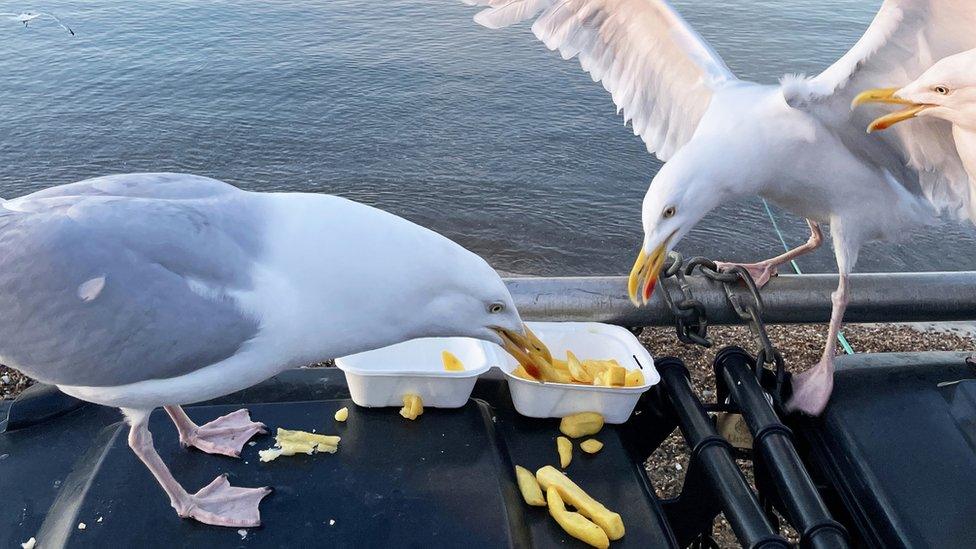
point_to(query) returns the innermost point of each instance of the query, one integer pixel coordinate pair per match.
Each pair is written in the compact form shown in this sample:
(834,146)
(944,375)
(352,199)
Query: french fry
(529,486)
(413,406)
(576,369)
(560,365)
(591,446)
(594,367)
(303,437)
(581,424)
(451,362)
(635,378)
(610,522)
(519,371)
(564,447)
(575,524)
(342,414)
(616,375)
(289,443)
(602,379)
(560,376)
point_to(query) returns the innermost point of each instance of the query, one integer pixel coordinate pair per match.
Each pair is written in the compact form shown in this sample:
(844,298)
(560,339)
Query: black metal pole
(714,455)
(773,445)
(788,299)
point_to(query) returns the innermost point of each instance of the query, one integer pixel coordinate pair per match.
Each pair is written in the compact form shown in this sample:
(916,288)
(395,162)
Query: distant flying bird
(27,17)
(146,290)
(797,143)
(945,92)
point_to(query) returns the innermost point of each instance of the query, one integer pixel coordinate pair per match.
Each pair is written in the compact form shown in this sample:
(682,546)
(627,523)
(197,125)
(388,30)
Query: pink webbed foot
(811,389)
(225,435)
(761,272)
(221,504)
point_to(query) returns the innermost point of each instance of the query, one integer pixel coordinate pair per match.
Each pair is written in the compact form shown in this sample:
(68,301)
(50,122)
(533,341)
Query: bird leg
(225,435)
(764,270)
(218,503)
(811,389)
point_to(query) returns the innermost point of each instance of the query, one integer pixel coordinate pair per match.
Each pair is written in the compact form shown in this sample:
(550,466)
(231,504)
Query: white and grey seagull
(945,92)
(27,17)
(796,143)
(146,290)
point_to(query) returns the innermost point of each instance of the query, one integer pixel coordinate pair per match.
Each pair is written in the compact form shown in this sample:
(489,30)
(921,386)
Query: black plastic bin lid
(445,480)
(900,450)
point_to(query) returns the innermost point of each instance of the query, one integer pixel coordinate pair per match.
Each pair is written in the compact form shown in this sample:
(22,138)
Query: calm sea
(407,105)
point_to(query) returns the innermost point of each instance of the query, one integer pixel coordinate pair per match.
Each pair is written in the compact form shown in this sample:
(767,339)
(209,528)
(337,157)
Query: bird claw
(225,435)
(760,272)
(220,504)
(812,389)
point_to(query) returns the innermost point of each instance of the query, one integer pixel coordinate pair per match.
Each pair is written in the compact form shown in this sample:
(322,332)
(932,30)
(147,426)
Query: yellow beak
(887,95)
(528,350)
(644,275)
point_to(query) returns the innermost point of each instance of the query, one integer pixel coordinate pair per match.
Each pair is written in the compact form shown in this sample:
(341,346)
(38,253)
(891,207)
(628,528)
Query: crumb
(242,532)
(331,522)
(82,526)
(29,544)
(99,519)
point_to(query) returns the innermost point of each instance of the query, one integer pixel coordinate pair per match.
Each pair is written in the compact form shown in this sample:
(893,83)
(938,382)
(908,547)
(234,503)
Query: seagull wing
(58,21)
(905,39)
(659,71)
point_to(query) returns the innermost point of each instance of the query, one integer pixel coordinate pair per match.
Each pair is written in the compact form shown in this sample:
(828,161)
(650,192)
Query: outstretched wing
(58,21)
(659,71)
(28,17)
(905,39)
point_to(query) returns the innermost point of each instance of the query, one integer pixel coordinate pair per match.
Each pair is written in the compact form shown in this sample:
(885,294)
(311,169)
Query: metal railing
(788,299)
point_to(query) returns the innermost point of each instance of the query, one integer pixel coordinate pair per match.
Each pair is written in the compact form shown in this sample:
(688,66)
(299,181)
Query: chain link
(691,319)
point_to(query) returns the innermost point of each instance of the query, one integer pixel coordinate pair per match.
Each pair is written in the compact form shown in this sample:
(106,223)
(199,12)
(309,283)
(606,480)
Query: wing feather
(905,39)
(660,73)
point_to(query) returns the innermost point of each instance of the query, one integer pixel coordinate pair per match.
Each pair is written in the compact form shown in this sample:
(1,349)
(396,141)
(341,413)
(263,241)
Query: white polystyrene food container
(381,377)
(587,340)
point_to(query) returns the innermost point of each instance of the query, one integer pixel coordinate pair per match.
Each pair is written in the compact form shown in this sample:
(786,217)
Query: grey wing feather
(170,251)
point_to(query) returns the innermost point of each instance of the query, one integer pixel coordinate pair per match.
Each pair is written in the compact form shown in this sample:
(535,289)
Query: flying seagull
(944,98)
(146,290)
(796,143)
(27,17)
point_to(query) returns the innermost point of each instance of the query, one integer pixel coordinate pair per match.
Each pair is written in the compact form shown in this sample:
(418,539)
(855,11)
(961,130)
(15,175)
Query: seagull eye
(669,212)
(941,90)
(496,308)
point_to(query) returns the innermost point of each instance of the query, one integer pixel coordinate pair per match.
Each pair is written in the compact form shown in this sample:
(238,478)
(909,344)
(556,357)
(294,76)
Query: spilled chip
(289,443)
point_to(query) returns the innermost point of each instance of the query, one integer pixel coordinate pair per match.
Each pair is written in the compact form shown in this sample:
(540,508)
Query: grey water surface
(407,105)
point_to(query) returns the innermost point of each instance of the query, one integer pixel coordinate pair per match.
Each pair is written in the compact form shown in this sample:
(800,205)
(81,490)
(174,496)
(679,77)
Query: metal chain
(691,318)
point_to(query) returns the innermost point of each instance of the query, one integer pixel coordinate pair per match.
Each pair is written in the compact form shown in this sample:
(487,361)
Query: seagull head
(680,195)
(947,90)
(445,290)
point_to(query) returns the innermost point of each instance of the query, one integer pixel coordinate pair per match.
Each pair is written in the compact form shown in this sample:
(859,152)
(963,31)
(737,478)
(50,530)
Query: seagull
(944,98)
(144,290)
(27,17)
(796,143)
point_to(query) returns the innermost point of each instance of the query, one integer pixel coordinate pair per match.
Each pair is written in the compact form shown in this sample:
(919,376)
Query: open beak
(527,349)
(644,275)
(887,95)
